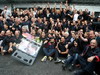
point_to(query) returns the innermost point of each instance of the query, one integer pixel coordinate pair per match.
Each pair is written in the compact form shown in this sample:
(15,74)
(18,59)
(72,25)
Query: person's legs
(90,67)
(73,62)
(82,61)
(75,58)
(97,68)
(4,49)
(45,50)
(57,54)
(51,52)
(81,72)
(67,62)
(48,53)
(87,68)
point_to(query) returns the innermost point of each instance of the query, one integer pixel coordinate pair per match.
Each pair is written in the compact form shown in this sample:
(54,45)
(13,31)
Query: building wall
(90,7)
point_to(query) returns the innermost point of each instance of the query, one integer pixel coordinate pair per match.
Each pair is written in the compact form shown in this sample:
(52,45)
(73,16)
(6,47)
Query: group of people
(66,33)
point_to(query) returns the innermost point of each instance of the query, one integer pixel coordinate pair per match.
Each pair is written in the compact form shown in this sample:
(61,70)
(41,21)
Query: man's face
(1,18)
(8,33)
(93,43)
(52,40)
(73,35)
(62,39)
(5,7)
(81,31)
(75,44)
(17,33)
(91,34)
(24,29)
(2,32)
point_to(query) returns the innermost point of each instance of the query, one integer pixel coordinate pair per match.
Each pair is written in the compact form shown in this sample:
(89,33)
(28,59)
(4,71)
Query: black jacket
(88,52)
(7,40)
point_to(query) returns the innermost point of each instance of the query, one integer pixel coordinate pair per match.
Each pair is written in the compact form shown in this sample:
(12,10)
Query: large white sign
(28,47)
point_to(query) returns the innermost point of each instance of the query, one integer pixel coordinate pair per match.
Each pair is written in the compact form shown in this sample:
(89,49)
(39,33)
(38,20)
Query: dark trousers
(87,66)
(6,47)
(57,55)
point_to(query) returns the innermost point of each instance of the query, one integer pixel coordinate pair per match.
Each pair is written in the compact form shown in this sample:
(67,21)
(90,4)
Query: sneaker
(44,58)
(63,61)
(58,60)
(50,58)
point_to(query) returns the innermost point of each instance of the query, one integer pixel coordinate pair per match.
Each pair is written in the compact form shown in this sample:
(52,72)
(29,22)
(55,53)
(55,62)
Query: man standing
(6,13)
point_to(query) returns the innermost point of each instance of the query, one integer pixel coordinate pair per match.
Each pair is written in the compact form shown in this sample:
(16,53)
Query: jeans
(71,59)
(49,52)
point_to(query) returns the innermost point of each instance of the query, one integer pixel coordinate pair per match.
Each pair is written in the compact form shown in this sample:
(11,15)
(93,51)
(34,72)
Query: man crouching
(6,45)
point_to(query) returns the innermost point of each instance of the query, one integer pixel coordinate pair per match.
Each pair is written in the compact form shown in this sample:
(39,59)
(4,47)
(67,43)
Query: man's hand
(81,54)
(10,49)
(45,42)
(66,46)
(59,51)
(90,59)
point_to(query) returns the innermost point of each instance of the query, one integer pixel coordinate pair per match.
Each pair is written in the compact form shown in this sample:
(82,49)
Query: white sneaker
(58,60)
(50,58)
(44,58)
(63,61)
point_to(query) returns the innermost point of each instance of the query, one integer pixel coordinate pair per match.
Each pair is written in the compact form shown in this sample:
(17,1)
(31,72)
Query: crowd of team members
(65,32)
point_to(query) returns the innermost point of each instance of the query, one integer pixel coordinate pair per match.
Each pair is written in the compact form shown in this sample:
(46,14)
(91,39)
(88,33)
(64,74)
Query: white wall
(90,7)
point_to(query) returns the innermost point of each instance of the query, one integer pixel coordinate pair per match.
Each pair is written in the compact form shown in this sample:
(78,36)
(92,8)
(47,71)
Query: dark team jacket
(50,45)
(17,39)
(74,50)
(97,57)
(7,40)
(88,52)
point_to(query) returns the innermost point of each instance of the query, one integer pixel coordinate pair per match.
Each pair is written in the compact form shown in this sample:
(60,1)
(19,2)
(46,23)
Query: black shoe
(71,68)
(64,67)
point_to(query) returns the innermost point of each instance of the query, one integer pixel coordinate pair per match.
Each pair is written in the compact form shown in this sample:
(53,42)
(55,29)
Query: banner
(28,47)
